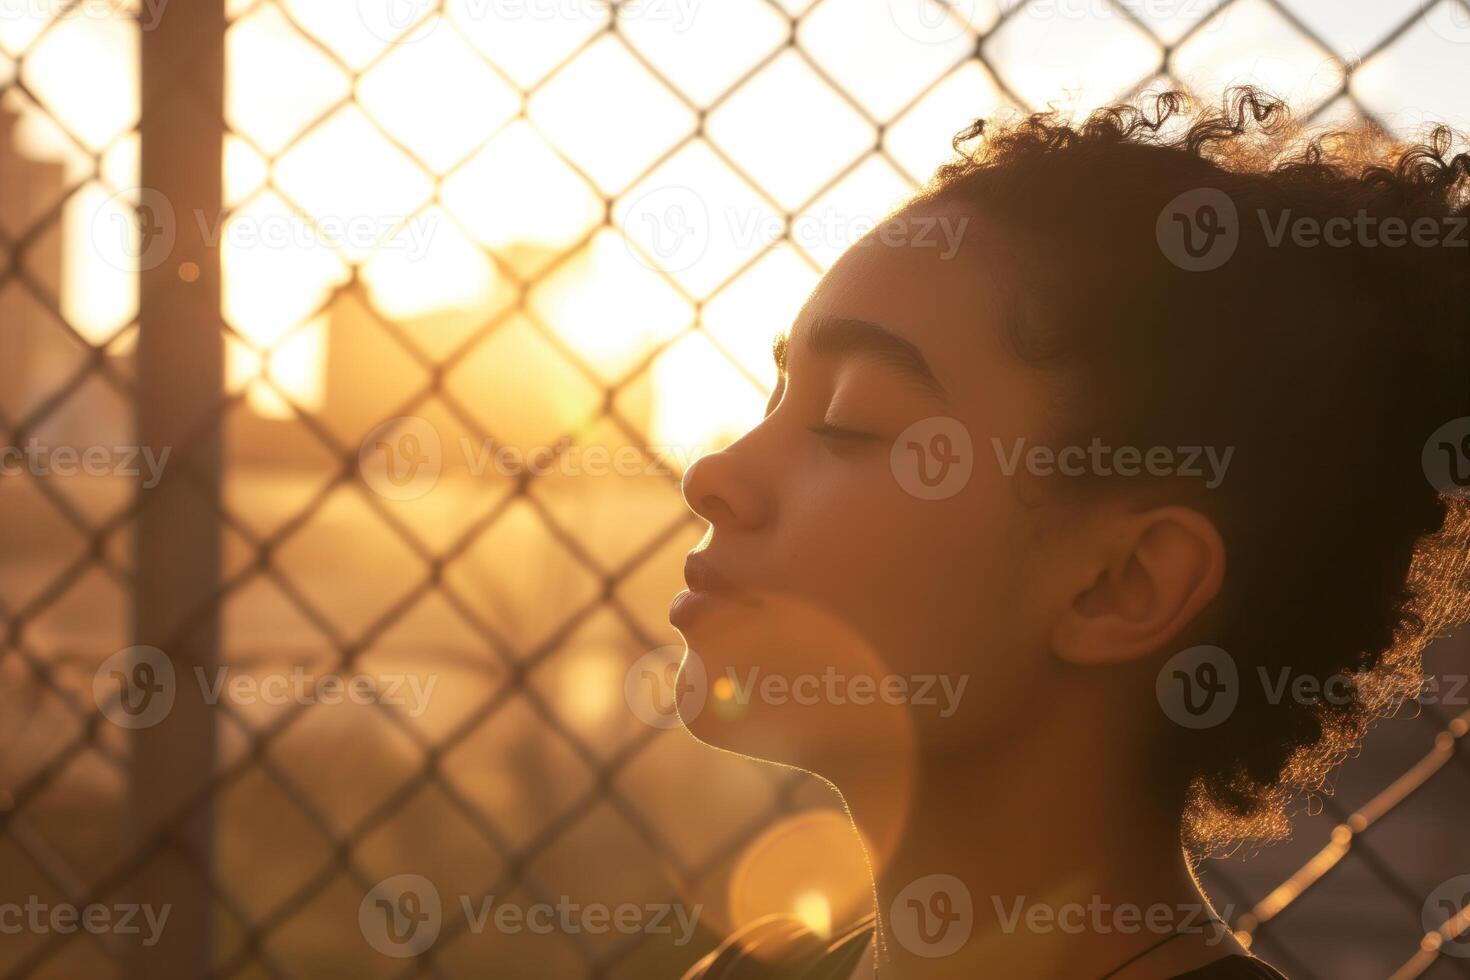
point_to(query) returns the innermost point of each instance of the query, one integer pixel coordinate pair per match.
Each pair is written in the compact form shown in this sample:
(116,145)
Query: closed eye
(836,432)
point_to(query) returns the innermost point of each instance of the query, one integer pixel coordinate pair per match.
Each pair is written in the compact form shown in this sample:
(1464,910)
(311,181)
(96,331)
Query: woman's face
(864,566)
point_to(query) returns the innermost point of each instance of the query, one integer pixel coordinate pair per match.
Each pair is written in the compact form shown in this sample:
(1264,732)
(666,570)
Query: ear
(1156,572)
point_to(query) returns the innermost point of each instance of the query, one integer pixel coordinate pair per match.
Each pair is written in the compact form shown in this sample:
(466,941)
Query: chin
(742,668)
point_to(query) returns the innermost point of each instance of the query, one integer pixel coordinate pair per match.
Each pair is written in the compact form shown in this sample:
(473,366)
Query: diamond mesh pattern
(529,153)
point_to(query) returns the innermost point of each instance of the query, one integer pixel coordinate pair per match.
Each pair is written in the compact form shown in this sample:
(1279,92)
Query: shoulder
(1234,968)
(781,948)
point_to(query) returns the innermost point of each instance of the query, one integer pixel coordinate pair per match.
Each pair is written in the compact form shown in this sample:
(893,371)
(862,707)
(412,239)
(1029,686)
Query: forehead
(923,275)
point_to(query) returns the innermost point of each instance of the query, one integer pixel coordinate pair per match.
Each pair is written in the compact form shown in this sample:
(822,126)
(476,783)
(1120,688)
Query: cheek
(901,569)
(940,589)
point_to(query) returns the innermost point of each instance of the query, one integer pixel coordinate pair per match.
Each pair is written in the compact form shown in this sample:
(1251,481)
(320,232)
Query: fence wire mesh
(492,229)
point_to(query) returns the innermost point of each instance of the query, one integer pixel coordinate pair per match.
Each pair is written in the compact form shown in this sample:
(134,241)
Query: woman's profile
(1085,547)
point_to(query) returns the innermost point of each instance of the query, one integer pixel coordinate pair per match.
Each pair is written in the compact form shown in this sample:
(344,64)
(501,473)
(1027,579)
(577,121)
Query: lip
(701,576)
(707,588)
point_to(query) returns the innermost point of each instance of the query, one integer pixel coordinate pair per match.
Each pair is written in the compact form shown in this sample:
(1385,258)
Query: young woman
(1096,539)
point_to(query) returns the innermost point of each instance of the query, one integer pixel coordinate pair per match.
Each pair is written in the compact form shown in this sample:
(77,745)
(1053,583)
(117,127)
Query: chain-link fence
(352,353)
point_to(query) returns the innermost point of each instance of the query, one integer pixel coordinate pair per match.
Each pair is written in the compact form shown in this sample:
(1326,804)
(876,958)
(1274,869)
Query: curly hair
(1326,365)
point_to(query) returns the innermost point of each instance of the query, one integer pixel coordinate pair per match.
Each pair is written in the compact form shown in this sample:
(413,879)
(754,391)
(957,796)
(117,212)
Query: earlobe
(1156,572)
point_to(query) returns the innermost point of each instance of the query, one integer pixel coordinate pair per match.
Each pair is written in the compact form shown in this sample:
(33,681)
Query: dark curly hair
(1325,367)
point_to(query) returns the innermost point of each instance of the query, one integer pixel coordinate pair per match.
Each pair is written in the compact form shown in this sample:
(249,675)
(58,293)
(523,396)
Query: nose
(721,488)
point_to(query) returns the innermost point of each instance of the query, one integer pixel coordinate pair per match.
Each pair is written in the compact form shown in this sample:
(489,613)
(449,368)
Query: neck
(1052,845)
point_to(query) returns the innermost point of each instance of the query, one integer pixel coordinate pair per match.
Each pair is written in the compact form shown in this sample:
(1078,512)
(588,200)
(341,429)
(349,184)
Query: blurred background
(333,255)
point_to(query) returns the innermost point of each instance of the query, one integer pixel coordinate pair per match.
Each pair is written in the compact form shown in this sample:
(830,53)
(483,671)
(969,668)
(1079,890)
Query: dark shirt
(779,948)
(1234,968)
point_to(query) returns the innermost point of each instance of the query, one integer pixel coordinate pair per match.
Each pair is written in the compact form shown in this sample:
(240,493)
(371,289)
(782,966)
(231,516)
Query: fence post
(179,385)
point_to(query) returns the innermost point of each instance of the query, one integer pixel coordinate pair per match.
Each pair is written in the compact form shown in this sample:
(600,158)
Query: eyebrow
(844,337)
